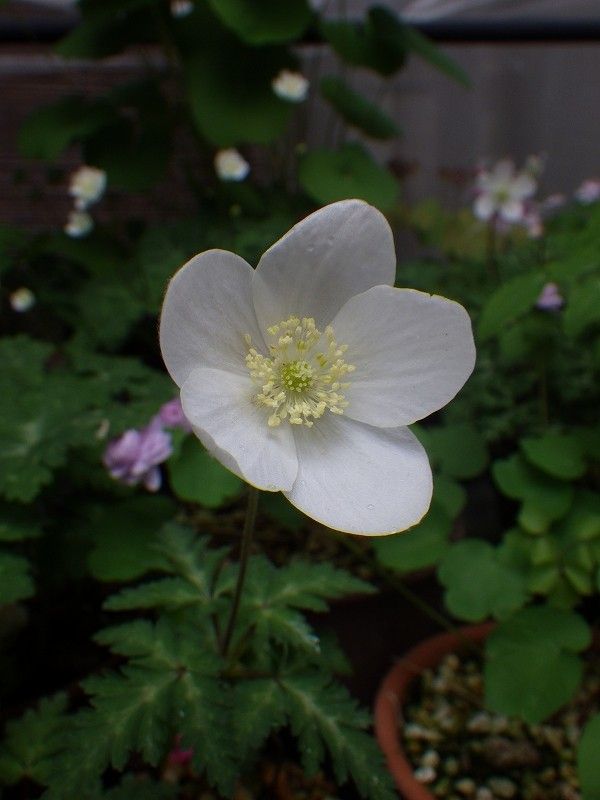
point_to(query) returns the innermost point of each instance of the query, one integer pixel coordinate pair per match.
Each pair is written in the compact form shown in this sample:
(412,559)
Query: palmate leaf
(15,580)
(32,742)
(325,718)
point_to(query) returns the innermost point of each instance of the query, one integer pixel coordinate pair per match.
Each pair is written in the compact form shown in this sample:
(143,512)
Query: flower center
(302,377)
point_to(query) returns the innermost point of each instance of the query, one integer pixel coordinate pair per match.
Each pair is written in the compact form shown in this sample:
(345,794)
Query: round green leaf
(556,454)
(328,175)
(357,110)
(511,300)
(419,547)
(478,583)
(198,478)
(458,450)
(587,759)
(265,22)
(532,667)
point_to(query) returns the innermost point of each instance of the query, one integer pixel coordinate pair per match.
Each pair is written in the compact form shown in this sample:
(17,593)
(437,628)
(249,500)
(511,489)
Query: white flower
(230,165)
(302,375)
(502,193)
(589,191)
(87,186)
(291,86)
(79,224)
(22,299)
(181,8)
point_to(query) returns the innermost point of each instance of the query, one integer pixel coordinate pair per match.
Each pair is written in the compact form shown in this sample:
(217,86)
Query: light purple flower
(171,415)
(550,298)
(134,456)
(589,191)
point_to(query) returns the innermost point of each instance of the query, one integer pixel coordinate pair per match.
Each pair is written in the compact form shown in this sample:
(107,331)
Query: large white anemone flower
(302,375)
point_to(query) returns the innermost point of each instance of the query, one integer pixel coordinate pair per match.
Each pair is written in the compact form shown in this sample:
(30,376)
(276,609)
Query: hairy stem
(247,533)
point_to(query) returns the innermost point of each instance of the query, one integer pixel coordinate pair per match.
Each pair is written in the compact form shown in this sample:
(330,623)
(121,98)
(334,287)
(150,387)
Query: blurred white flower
(302,375)
(181,8)
(230,165)
(22,299)
(502,193)
(87,185)
(291,86)
(589,191)
(79,224)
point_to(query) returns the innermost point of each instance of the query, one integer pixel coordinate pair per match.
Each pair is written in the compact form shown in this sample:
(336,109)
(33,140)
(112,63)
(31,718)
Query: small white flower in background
(230,165)
(22,299)
(79,224)
(589,191)
(87,186)
(291,86)
(502,193)
(302,375)
(181,8)
(550,298)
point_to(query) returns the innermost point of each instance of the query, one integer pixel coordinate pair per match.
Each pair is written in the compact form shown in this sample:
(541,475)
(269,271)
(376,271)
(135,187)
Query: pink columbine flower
(133,457)
(550,298)
(171,415)
(589,191)
(502,193)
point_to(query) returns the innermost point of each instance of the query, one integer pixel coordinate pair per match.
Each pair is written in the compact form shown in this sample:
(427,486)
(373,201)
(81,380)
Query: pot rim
(392,693)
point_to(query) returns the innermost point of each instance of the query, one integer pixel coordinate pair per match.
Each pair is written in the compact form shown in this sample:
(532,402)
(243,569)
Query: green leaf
(266,22)
(323,715)
(421,546)
(583,308)
(258,709)
(357,110)
(48,131)
(18,523)
(328,175)
(32,742)
(229,85)
(15,580)
(544,499)
(426,49)
(141,787)
(125,537)
(479,583)
(458,450)
(512,300)
(379,43)
(556,454)
(282,511)
(587,759)
(532,667)
(199,478)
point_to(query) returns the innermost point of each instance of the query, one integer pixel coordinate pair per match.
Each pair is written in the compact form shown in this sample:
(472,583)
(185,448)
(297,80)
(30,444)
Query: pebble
(483,793)
(451,766)
(425,774)
(430,759)
(480,723)
(466,786)
(502,787)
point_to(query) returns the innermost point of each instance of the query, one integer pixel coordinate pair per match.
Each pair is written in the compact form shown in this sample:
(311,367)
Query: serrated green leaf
(31,742)
(258,708)
(141,787)
(478,583)
(15,579)
(357,110)
(323,715)
(330,175)
(266,22)
(513,299)
(587,759)
(532,666)
(559,455)
(198,477)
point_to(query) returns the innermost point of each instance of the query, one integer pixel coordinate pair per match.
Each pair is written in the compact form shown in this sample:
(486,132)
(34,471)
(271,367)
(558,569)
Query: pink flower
(133,457)
(550,298)
(171,415)
(179,756)
(589,191)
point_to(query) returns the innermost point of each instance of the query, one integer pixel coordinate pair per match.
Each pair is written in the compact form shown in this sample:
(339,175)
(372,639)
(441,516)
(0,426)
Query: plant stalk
(247,533)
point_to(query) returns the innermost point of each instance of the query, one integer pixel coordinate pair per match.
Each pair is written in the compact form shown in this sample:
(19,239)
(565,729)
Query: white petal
(219,404)
(335,253)
(512,211)
(206,312)
(523,186)
(412,352)
(484,207)
(359,479)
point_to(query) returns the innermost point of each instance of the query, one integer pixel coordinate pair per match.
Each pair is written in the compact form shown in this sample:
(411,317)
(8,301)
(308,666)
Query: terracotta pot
(393,692)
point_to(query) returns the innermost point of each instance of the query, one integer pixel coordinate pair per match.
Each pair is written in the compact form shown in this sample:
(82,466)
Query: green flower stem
(247,533)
